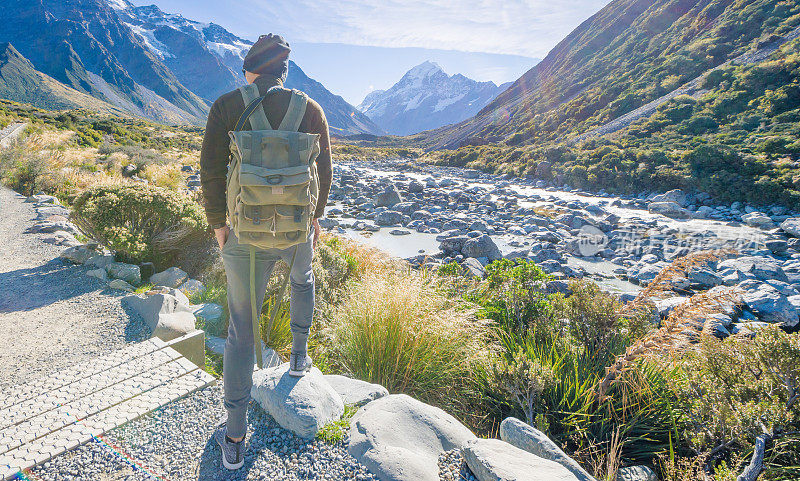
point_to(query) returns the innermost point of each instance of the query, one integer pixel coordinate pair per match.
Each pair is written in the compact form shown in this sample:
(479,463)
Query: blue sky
(506,35)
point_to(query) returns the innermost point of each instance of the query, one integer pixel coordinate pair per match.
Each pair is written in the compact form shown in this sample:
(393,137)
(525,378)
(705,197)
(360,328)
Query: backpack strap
(255,110)
(294,112)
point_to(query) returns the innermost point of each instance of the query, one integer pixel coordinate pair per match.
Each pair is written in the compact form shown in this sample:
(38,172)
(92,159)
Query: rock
(212,315)
(763,268)
(415,187)
(399,232)
(758,219)
(62,238)
(400,439)
(121,285)
(327,223)
(482,246)
(388,198)
(355,392)
(389,217)
(48,227)
(717,325)
(100,261)
(78,254)
(166,314)
(453,244)
(636,473)
(646,274)
(530,439)
(791,226)
(473,267)
(98,273)
(704,278)
(42,199)
(669,209)
(676,195)
(127,272)
(303,405)
(542,255)
(192,286)
(496,460)
(777,246)
(771,306)
(172,277)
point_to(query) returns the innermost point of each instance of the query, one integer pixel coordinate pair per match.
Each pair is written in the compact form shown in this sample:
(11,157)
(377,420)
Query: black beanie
(268,56)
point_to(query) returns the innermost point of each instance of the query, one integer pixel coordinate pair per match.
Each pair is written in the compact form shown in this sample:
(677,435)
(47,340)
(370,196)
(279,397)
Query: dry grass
(397,330)
(685,322)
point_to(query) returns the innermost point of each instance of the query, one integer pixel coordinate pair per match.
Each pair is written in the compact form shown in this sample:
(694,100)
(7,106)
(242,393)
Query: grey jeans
(237,370)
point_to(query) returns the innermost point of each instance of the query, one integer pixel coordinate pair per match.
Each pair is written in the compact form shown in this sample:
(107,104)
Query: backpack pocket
(272,219)
(288,186)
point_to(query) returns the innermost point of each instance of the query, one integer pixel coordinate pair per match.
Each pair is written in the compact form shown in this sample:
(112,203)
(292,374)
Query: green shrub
(140,222)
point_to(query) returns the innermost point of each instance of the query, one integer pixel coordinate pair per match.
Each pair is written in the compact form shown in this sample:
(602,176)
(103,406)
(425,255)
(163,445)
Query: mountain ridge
(425,98)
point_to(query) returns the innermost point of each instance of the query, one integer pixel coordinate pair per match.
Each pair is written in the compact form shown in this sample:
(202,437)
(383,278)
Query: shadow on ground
(40,286)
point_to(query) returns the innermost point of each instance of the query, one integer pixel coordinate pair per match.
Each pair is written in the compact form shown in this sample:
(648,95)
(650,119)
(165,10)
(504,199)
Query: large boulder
(530,439)
(127,272)
(303,405)
(453,244)
(400,439)
(355,392)
(481,246)
(78,254)
(172,277)
(389,217)
(763,268)
(388,198)
(771,306)
(167,313)
(496,460)
(791,226)
(758,219)
(676,195)
(669,209)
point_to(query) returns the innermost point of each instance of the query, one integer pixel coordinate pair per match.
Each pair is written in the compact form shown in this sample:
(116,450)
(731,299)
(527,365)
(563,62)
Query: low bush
(140,222)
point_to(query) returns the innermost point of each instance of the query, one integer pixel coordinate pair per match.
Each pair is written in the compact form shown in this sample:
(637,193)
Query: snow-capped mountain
(207,59)
(427,98)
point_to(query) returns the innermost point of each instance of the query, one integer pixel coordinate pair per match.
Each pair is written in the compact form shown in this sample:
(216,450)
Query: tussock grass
(396,330)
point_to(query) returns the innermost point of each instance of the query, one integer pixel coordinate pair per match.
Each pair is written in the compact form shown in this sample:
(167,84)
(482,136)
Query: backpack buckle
(256,216)
(274,179)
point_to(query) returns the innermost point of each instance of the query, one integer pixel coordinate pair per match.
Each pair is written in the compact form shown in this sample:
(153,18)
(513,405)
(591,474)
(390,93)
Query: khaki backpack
(272,186)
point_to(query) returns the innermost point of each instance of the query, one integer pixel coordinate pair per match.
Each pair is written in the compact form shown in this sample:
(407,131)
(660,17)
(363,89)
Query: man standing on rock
(293,161)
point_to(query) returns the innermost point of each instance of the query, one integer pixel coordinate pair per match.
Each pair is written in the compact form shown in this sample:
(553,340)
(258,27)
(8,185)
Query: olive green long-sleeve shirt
(216,144)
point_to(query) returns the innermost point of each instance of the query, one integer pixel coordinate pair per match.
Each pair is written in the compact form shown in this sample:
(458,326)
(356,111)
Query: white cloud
(522,27)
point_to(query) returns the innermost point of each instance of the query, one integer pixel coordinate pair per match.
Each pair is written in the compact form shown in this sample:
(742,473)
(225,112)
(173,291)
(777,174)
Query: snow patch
(150,41)
(441,104)
(118,4)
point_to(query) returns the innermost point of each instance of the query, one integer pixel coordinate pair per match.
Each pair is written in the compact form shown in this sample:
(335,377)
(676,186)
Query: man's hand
(222,235)
(317,230)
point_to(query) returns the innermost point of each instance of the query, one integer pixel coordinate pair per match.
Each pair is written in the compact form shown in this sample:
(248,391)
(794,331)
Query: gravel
(452,467)
(50,312)
(175,443)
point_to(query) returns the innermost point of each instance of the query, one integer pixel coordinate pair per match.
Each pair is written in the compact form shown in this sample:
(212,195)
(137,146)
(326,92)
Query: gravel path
(175,443)
(51,315)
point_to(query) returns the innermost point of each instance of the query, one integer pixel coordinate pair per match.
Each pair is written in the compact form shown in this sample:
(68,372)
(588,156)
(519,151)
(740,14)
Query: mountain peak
(425,69)
(120,4)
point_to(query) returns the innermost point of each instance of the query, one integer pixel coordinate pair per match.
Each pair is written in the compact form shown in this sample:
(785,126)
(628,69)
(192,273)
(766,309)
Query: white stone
(167,315)
(758,219)
(669,209)
(98,273)
(192,286)
(496,460)
(636,473)
(121,285)
(530,439)
(172,277)
(127,272)
(355,392)
(78,254)
(399,438)
(99,261)
(791,226)
(302,405)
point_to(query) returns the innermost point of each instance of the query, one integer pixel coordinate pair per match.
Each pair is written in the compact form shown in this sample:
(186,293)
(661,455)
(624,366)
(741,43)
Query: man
(266,66)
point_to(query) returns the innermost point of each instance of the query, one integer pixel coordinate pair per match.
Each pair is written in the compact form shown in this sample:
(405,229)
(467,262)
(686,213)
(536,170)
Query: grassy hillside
(733,136)
(21,82)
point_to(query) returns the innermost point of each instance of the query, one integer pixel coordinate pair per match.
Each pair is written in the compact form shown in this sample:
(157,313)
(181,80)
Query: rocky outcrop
(302,405)
(496,460)
(400,439)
